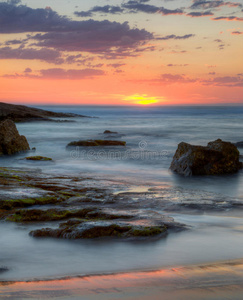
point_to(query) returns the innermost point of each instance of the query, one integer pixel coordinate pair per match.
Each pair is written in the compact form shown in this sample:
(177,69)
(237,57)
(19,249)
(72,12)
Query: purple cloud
(176,37)
(28,70)
(107,9)
(231,18)
(227,81)
(131,6)
(200,14)
(58,73)
(48,55)
(95,37)
(116,65)
(177,65)
(64,34)
(200,4)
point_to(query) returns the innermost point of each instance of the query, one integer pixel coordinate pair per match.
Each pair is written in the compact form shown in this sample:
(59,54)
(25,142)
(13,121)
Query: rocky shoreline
(79,207)
(79,211)
(21,113)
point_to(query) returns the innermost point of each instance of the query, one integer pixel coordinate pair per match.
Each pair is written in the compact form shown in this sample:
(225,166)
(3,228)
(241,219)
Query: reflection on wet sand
(221,280)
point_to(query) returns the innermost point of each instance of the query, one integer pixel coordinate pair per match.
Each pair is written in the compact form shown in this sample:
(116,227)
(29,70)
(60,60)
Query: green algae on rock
(38,215)
(27,196)
(38,158)
(98,229)
(21,203)
(96,143)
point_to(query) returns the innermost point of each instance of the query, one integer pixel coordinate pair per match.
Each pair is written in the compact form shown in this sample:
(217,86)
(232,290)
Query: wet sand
(220,280)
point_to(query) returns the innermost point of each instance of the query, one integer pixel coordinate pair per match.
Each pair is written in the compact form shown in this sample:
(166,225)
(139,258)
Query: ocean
(152,135)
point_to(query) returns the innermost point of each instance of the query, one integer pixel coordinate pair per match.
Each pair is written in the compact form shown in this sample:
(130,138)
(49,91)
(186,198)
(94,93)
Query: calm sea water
(152,135)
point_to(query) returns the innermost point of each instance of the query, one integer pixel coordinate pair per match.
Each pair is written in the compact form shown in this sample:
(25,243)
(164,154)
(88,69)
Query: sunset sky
(157,52)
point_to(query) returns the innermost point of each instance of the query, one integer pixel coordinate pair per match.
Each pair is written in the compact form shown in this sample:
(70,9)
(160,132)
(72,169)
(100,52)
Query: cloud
(177,65)
(237,32)
(176,37)
(116,65)
(131,6)
(178,52)
(28,70)
(48,55)
(231,18)
(58,73)
(95,37)
(118,71)
(200,14)
(175,78)
(221,45)
(226,81)
(168,79)
(211,66)
(79,59)
(15,42)
(17,19)
(64,34)
(14,2)
(136,6)
(198,4)
(107,9)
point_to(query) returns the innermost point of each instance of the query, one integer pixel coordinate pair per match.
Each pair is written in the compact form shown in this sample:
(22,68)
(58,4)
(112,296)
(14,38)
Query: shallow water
(152,136)
(211,238)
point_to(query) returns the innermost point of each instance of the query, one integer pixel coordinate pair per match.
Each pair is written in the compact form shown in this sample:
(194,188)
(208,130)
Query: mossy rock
(103,231)
(21,203)
(38,158)
(96,143)
(148,231)
(38,215)
(83,229)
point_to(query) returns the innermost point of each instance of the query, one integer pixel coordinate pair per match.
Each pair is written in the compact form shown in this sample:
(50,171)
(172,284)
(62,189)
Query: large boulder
(216,158)
(10,140)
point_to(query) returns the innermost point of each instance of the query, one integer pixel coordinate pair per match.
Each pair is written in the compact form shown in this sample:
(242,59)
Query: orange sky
(121,53)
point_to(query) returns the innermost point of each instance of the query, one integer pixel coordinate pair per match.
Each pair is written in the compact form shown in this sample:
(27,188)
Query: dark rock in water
(95,143)
(38,215)
(10,140)
(216,158)
(110,132)
(21,113)
(38,158)
(97,229)
(3,269)
(239,144)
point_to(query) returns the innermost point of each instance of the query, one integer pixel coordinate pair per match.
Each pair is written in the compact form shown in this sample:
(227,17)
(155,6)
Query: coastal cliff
(21,113)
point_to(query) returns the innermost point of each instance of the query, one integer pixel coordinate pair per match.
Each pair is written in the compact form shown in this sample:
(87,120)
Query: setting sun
(142,99)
